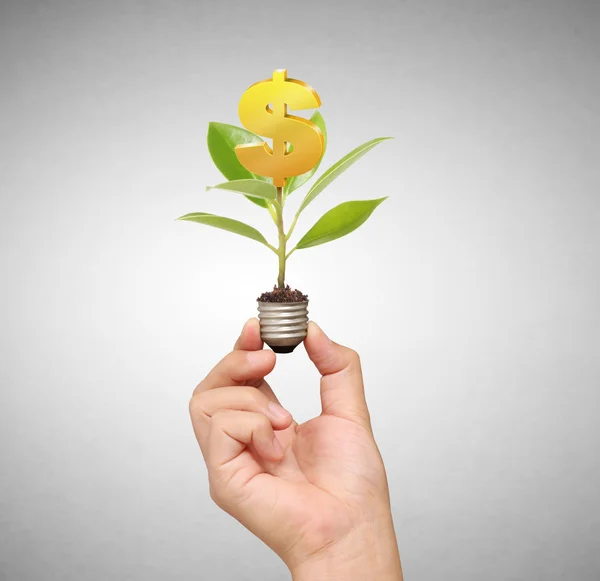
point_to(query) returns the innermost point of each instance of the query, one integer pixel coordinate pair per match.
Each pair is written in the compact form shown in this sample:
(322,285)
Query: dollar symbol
(263,110)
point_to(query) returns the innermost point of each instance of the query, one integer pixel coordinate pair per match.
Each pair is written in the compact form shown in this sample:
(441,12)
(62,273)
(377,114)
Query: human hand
(316,493)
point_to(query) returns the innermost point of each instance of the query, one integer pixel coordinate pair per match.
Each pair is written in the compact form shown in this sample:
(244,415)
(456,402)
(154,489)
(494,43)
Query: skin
(316,493)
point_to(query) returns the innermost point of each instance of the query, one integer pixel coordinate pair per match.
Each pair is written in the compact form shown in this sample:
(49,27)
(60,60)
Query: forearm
(370,554)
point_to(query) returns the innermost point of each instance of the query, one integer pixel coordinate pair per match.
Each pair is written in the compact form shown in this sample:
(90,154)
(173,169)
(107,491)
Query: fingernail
(277,411)
(277,447)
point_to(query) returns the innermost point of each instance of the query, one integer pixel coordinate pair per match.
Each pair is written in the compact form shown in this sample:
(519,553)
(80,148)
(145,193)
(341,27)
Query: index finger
(237,368)
(249,339)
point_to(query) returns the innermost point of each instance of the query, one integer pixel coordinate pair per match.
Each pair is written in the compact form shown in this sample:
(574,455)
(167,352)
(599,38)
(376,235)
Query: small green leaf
(295,182)
(253,188)
(222,139)
(339,221)
(226,224)
(337,169)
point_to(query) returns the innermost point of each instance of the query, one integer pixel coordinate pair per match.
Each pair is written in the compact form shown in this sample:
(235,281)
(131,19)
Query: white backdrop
(471,294)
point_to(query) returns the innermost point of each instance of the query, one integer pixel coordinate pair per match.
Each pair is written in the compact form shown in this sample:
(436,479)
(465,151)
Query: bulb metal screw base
(283,326)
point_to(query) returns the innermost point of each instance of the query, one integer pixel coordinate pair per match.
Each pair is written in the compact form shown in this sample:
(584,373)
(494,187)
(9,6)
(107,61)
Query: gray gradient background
(472,294)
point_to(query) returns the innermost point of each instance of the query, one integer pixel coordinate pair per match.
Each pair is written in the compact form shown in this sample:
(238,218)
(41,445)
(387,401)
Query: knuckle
(196,407)
(216,493)
(193,406)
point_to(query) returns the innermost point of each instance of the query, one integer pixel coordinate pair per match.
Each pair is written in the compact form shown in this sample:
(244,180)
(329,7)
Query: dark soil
(283,295)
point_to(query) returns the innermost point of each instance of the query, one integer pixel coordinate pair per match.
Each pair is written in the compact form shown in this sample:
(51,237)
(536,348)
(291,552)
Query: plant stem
(282,238)
(272,212)
(292,226)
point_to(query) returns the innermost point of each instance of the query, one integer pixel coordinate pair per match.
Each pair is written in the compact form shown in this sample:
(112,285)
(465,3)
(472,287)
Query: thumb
(342,388)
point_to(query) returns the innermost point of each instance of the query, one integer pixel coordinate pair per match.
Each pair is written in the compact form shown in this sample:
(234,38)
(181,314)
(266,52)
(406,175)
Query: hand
(316,493)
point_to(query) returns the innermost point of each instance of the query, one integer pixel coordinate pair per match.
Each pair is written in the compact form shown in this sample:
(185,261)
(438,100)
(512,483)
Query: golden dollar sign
(263,110)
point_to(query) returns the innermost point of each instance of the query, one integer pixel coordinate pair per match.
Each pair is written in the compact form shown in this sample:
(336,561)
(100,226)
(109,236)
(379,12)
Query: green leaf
(253,188)
(295,182)
(222,139)
(226,224)
(337,169)
(339,221)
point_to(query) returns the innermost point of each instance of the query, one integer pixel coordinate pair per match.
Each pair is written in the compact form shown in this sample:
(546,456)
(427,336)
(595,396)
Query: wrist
(369,553)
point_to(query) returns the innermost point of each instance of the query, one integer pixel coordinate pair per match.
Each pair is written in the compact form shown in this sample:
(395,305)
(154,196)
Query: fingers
(231,431)
(249,339)
(204,406)
(231,387)
(342,388)
(237,368)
